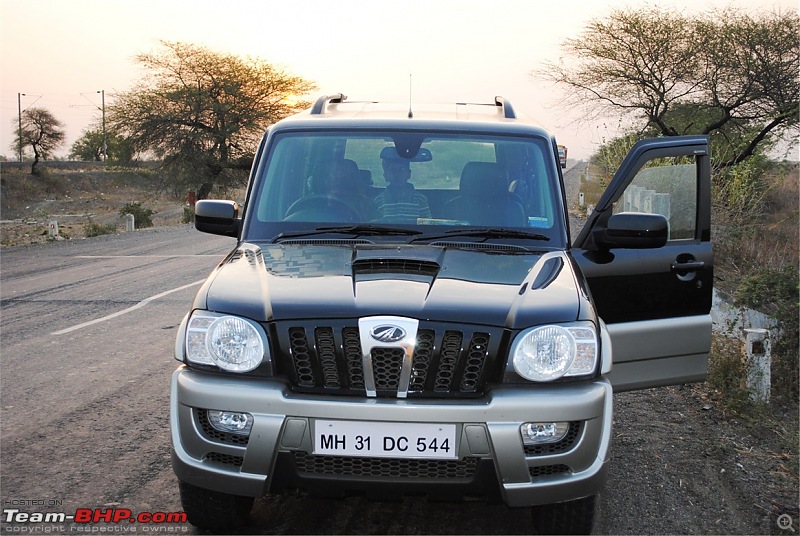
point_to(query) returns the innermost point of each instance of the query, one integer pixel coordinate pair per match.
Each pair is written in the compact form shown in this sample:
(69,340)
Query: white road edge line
(125,311)
(143,256)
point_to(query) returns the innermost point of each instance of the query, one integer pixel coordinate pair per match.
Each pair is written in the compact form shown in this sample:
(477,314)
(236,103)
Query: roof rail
(508,110)
(319,105)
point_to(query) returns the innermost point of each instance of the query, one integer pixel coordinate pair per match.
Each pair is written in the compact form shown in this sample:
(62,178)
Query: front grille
(548,470)
(566,444)
(386,365)
(385,467)
(224,459)
(458,362)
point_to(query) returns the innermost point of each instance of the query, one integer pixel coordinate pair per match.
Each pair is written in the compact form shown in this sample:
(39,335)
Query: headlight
(229,342)
(546,353)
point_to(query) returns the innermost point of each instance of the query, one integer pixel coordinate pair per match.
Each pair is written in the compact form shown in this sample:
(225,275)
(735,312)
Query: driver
(399,202)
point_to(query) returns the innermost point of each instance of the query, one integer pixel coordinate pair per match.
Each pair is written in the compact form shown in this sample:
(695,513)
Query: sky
(59,54)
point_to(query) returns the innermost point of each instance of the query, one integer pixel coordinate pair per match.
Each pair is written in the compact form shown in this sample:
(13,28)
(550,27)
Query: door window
(666,186)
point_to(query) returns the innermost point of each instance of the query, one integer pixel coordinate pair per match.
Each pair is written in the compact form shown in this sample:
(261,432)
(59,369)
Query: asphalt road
(88,331)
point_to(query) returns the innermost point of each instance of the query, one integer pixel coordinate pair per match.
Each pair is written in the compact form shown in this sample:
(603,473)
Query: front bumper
(277,453)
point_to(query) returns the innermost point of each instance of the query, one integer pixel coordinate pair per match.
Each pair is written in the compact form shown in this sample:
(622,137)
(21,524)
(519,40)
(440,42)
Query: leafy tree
(89,147)
(40,131)
(730,75)
(203,112)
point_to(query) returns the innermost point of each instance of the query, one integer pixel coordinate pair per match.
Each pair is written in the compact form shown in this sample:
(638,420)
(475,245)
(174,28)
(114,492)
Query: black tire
(571,517)
(207,509)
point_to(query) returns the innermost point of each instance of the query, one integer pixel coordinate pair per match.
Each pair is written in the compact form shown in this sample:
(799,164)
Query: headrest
(339,173)
(346,167)
(483,179)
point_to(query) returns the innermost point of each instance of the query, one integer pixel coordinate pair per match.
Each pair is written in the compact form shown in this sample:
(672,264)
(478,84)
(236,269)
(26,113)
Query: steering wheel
(319,208)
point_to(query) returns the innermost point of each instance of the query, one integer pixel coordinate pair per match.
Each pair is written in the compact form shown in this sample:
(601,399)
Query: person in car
(399,202)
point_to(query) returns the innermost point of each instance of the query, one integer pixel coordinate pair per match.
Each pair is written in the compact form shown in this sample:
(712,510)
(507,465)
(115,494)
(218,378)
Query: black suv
(405,312)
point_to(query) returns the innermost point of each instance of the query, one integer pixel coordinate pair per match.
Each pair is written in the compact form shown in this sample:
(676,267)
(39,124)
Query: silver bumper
(487,429)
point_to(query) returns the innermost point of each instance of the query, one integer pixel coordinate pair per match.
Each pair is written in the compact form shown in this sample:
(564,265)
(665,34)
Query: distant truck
(562,155)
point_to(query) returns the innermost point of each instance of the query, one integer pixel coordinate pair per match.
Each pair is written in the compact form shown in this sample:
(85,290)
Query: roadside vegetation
(733,77)
(142,216)
(85,199)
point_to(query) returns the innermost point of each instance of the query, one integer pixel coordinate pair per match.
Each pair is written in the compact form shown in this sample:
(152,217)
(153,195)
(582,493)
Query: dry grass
(771,240)
(79,199)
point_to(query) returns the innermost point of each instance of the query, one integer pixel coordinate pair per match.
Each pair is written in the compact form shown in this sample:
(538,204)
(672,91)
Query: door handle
(688,266)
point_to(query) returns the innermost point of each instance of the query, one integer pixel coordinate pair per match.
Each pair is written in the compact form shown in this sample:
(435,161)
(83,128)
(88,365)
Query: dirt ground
(740,468)
(753,450)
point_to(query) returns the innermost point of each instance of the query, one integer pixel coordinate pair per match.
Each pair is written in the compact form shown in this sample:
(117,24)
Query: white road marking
(125,311)
(142,256)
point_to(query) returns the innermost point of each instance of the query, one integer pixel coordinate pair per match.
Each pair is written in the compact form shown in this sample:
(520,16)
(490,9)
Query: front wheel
(570,517)
(207,509)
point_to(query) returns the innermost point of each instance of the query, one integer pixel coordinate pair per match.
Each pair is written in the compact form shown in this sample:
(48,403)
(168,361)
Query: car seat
(484,198)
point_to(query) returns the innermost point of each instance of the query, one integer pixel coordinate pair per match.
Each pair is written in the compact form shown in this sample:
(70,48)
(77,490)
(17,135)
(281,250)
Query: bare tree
(40,131)
(728,74)
(203,112)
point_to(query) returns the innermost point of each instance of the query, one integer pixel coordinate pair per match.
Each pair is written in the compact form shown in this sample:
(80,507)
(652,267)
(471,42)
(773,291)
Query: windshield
(431,182)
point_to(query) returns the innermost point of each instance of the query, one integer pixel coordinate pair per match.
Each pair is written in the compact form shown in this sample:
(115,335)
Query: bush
(141,215)
(726,373)
(98,229)
(188,215)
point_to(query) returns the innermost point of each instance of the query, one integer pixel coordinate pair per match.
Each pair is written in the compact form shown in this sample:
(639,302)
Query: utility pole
(19,108)
(105,142)
(102,108)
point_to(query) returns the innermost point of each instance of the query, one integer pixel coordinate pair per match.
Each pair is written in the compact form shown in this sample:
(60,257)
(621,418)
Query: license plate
(386,440)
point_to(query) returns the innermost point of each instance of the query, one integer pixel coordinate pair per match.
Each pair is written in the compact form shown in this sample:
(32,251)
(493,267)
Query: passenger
(399,202)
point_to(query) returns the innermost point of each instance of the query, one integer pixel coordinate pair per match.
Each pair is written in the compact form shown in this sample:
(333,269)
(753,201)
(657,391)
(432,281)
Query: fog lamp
(231,422)
(537,433)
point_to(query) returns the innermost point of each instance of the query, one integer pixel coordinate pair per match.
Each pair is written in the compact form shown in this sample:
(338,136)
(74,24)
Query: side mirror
(217,217)
(633,230)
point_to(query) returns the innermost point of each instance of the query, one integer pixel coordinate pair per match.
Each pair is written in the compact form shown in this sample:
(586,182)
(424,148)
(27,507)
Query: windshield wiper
(355,230)
(486,232)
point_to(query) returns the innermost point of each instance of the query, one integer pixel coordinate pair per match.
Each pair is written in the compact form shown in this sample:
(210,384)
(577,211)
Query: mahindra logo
(387,333)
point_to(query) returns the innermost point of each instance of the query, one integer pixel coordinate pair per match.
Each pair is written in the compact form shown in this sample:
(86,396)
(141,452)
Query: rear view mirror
(392,153)
(217,217)
(633,230)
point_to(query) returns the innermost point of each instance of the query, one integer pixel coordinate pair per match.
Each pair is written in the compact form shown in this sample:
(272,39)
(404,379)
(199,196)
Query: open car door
(646,254)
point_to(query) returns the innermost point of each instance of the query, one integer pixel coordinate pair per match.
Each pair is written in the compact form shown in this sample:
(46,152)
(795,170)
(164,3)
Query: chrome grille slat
(355,365)
(301,357)
(476,357)
(422,360)
(326,349)
(451,350)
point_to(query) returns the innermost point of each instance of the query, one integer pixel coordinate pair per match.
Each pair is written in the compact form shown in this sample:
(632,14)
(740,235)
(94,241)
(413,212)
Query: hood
(497,286)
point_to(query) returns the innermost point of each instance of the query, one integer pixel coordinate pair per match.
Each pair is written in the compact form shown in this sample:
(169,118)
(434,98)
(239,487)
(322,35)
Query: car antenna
(410,113)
